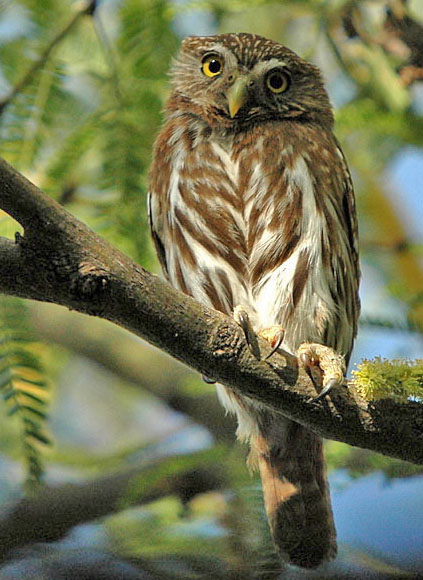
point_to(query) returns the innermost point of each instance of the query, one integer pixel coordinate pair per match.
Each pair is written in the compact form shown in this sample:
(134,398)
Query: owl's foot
(274,336)
(332,365)
(242,318)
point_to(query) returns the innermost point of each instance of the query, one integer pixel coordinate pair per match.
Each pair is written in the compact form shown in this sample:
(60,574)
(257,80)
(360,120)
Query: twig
(60,260)
(109,58)
(43,57)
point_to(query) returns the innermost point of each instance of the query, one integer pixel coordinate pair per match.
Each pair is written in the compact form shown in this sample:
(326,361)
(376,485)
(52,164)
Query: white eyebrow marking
(265,65)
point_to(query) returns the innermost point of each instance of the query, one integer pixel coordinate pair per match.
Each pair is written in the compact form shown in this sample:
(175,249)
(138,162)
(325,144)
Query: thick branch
(122,354)
(60,260)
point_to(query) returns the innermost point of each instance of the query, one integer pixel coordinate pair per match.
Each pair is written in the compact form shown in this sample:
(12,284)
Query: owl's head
(238,79)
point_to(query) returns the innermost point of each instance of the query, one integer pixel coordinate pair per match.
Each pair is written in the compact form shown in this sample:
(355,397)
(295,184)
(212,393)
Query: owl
(252,213)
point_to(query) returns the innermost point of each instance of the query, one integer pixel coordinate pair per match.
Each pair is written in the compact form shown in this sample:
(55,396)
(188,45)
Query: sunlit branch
(60,260)
(138,364)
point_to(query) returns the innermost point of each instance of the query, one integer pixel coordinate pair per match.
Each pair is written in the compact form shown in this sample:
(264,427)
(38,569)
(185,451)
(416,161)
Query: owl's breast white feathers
(243,226)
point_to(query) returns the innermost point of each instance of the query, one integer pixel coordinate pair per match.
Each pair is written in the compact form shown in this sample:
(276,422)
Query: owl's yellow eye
(277,81)
(212,65)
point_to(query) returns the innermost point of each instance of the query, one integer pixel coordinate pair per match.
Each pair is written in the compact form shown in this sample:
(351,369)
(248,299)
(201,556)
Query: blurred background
(129,466)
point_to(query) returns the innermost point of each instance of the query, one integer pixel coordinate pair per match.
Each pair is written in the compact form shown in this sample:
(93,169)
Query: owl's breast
(206,252)
(244,225)
(232,211)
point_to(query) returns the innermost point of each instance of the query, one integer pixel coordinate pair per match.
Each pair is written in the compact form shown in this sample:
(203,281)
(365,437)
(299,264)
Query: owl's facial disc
(235,80)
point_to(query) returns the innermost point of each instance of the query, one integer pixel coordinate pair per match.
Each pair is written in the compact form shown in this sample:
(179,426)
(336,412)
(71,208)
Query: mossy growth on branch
(397,379)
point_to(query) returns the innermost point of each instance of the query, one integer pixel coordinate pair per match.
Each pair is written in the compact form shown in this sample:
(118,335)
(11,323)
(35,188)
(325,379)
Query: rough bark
(122,354)
(60,260)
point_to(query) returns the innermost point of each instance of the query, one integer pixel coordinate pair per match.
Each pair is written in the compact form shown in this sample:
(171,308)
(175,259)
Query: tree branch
(60,260)
(123,355)
(49,515)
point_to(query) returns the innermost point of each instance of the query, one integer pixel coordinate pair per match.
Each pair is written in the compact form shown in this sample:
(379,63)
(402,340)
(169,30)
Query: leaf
(39,436)
(22,382)
(31,396)
(41,384)
(34,411)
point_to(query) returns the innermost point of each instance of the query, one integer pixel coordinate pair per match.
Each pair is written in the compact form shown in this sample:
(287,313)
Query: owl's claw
(274,336)
(330,385)
(208,380)
(330,363)
(242,318)
(305,360)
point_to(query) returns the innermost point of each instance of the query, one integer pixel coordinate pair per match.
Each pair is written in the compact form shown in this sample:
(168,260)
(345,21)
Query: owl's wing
(154,219)
(345,266)
(349,210)
(350,217)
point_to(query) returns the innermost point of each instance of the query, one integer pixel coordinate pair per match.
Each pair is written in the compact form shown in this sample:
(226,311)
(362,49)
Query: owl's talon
(274,335)
(208,380)
(308,363)
(242,318)
(330,363)
(334,382)
(305,360)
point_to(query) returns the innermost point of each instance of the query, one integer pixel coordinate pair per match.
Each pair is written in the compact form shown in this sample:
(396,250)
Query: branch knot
(90,282)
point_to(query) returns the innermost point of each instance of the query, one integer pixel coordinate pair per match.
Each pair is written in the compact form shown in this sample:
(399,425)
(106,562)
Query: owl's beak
(237,95)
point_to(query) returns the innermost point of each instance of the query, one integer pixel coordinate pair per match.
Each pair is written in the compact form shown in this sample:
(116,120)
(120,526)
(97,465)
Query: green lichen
(380,378)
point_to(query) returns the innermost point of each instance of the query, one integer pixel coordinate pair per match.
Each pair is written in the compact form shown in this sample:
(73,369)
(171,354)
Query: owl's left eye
(212,65)
(277,81)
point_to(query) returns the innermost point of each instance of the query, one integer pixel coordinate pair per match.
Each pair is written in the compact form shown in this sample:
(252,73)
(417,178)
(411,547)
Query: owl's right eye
(212,65)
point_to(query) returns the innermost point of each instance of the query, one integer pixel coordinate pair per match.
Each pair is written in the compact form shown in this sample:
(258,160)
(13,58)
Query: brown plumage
(251,203)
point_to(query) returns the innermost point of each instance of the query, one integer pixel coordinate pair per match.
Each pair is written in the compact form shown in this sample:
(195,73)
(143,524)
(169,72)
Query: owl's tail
(296,492)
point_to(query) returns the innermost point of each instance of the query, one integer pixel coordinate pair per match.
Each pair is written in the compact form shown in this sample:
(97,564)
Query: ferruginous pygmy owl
(252,212)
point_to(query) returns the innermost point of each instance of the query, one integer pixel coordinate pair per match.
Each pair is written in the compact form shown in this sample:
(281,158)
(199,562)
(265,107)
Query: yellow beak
(237,95)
